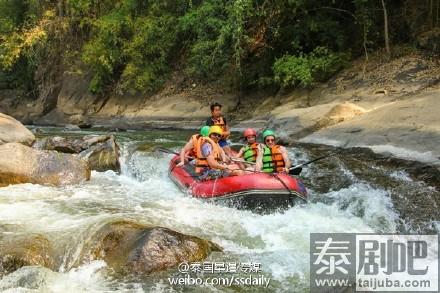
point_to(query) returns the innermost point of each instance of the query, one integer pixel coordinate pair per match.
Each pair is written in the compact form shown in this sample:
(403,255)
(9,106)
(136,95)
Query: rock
(389,129)
(345,111)
(13,131)
(100,151)
(60,144)
(20,251)
(102,154)
(133,248)
(22,164)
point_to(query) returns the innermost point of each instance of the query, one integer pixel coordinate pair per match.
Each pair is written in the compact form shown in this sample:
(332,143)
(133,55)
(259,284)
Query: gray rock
(22,164)
(13,131)
(133,248)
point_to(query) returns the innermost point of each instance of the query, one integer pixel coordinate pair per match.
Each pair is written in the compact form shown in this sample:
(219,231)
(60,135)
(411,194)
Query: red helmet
(249,132)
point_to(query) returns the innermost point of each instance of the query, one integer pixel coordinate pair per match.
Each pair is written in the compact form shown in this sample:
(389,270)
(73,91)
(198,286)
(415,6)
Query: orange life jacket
(277,159)
(201,161)
(220,122)
(194,139)
(273,159)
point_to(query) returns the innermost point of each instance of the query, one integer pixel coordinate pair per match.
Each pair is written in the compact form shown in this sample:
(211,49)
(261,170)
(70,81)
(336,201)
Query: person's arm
(183,151)
(214,164)
(259,160)
(285,158)
(207,152)
(240,153)
(224,157)
(227,132)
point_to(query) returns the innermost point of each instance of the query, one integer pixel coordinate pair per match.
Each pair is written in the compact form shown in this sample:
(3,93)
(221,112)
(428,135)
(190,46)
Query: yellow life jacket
(221,122)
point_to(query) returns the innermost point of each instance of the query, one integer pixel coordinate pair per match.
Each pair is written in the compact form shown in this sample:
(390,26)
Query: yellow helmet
(215,129)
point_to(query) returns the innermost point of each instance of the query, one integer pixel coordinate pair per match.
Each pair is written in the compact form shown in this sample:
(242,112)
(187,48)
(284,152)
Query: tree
(385,27)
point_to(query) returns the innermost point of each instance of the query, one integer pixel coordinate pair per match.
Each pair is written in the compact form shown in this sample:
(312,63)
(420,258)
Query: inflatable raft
(253,191)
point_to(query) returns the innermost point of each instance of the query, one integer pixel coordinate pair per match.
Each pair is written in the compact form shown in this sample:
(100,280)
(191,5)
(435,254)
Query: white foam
(321,140)
(398,152)
(401,175)
(279,241)
(407,154)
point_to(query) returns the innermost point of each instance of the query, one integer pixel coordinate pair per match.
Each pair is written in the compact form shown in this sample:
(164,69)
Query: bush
(305,69)
(148,53)
(104,51)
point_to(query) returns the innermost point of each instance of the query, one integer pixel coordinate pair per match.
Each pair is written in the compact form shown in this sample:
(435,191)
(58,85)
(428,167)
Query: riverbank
(389,107)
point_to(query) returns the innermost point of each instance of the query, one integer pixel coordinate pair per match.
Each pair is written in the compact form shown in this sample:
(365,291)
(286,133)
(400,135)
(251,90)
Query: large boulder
(133,248)
(22,164)
(20,251)
(100,151)
(13,131)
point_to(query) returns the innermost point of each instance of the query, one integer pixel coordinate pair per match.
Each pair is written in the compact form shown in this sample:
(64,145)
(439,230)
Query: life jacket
(250,152)
(201,161)
(220,122)
(194,139)
(273,159)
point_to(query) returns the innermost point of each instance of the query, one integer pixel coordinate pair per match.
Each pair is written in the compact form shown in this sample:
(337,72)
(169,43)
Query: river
(348,193)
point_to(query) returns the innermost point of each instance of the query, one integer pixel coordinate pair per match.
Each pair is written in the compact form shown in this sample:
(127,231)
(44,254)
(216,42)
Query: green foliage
(304,69)
(23,41)
(203,31)
(133,45)
(148,52)
(105,50)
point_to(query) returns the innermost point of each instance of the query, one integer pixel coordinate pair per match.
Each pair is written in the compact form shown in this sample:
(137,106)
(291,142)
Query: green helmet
(204,131)
(268,132)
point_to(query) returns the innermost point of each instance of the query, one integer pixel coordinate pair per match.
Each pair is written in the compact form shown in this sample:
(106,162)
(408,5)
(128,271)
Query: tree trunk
(437,16)
(385,25)
(60,6)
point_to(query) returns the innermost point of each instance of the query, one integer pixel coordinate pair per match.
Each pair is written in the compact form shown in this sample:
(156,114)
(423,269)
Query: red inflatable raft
(251,191)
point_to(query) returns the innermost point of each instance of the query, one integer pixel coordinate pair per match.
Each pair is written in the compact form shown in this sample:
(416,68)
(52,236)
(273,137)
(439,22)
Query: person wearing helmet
(189,149)
(218,119)
(211,158)
(252,149)
(274,158)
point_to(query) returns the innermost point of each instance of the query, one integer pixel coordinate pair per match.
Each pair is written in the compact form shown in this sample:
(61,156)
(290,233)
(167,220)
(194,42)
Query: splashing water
(67,217)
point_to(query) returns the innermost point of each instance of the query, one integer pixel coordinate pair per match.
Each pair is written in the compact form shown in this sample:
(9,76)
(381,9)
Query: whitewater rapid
(143,193)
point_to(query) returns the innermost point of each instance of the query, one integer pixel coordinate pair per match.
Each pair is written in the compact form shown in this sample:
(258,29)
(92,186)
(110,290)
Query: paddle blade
(295,171)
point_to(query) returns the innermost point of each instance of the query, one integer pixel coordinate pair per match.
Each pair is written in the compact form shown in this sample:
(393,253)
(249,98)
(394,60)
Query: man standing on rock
(218,120)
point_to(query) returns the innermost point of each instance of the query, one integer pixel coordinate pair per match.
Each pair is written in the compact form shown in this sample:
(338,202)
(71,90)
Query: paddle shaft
(316,159)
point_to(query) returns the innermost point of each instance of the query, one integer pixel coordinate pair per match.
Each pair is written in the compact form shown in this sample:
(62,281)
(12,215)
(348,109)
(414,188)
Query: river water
(348,193)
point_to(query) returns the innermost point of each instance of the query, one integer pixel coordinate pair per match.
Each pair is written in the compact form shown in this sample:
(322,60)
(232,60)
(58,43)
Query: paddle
(167,151)
(296,170)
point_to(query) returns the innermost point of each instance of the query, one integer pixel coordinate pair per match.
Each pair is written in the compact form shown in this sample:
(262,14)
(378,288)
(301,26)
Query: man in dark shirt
(218,119)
